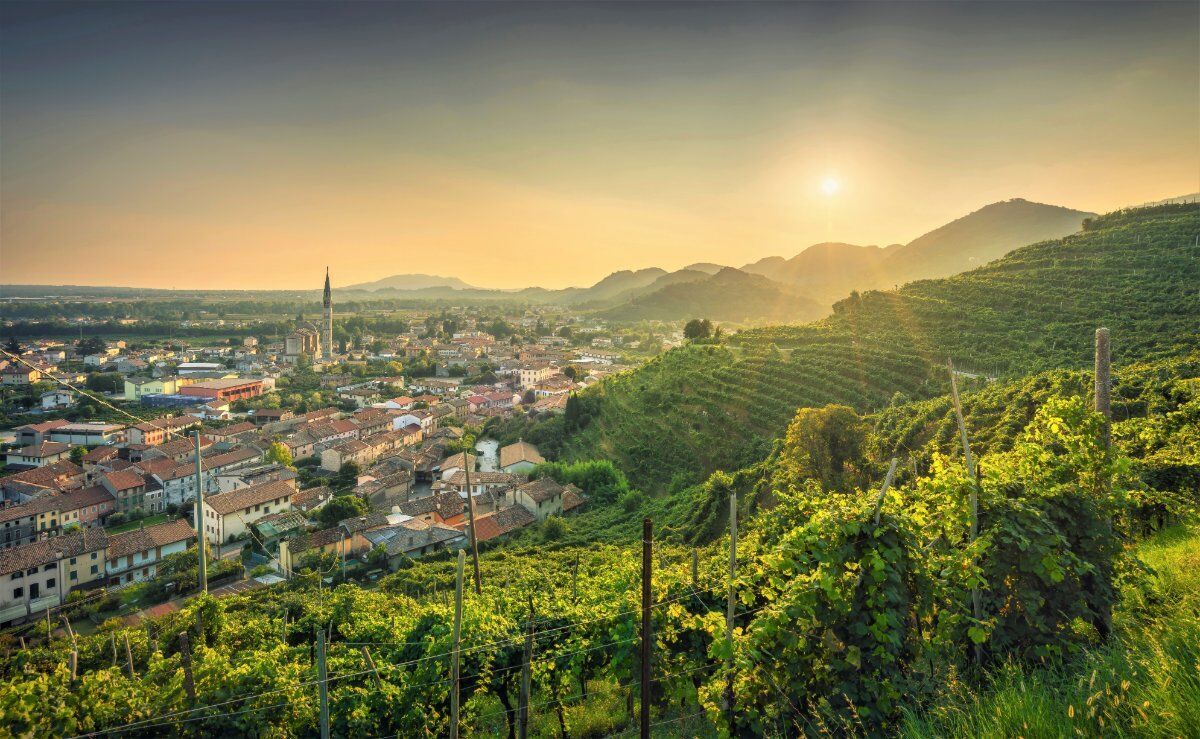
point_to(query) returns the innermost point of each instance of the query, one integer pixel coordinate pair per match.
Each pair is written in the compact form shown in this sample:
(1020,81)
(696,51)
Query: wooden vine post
(647,635)
(976,603)
(526,670)
(454,658)
(185,657)
(202,562)
(471,517)
(1103,400)
(730,604)
(322,683)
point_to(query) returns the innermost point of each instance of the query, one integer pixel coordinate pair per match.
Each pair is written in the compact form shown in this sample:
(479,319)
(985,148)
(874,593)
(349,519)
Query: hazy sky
(248,145)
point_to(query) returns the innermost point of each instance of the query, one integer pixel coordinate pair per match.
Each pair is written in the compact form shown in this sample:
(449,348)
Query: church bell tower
(327,322)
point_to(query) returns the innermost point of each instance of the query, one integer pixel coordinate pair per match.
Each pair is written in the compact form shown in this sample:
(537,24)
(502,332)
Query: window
(74,575)
(93,555)
(50,583)
(93,569)
(48,567)
(17,575)
(18,592)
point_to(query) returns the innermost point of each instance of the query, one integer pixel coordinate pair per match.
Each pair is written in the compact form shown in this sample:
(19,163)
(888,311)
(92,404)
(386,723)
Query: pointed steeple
(328,294)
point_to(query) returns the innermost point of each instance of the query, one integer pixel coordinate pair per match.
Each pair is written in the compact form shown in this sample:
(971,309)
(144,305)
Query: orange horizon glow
(246,147)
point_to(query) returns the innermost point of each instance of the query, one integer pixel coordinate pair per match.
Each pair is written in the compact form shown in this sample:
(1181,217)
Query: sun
(830,185)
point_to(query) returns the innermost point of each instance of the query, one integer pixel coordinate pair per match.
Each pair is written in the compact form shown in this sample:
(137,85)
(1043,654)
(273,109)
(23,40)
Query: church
(312,340)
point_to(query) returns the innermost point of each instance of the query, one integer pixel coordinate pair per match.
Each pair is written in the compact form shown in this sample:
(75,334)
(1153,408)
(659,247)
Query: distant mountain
(978,238)
(827,272)
(614,284)
(707,268)
(671,278)
(729,295)
(411,282)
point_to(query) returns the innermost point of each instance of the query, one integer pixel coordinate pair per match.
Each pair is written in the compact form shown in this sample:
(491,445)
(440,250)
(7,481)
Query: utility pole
(976,603)
(730,602)
(199,517)
(1104,384)
(322,683)
(471,516)
(454,664)
(185,656)
(647,635)
(1104,408)
(526,669)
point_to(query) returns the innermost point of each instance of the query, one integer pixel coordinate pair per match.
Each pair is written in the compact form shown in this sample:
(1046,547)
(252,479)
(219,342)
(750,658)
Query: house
(534,373)
(230,389)
(542,497)
(88,434)
(158,430)
(361,452)
(413,539)
(22,486)
(263,416)
(136,387)
(386,489)
(482,482)
(457,462)
(57,399)
(245,429)
(36,433)
(311,500)
(37,576)
(227,515)
(135,555)
(519,457)
(446,507)
(501,522)
(130,491)
(232,479)
(87,507)
(327,541)
(401,403)
(211,410)
(39,455)
(17,374)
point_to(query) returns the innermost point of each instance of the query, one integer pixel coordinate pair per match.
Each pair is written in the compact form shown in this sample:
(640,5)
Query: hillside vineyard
(899,553)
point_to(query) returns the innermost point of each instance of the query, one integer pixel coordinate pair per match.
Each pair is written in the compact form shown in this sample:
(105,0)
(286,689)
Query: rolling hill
(411,282)
(829,271)
(700,408)
(729,295)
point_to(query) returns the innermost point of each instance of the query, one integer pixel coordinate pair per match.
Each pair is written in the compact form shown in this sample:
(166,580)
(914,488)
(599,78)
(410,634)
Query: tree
(570,372)
(90,345)
(341,508)
(346,477)
(280,454)
(77,453)
(12,346)
(697,328)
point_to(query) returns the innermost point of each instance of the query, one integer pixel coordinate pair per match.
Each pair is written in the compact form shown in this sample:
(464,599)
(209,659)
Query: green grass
(131,525)
(1145,683)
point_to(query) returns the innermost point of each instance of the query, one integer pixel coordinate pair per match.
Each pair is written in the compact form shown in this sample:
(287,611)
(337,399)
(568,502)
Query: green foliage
(340,508)
(600,480)
(697,328)
(105,382)
(280,454)
(704,408)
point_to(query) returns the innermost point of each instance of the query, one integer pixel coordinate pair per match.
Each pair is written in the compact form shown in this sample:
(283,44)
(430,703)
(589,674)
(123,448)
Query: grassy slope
(697,409)
(1145,683)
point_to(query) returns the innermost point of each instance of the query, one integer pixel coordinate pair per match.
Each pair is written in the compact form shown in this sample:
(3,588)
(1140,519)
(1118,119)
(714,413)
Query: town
(292,450)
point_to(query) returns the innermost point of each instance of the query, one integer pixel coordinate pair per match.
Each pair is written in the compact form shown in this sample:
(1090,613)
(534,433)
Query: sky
(249,145)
